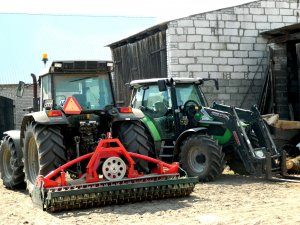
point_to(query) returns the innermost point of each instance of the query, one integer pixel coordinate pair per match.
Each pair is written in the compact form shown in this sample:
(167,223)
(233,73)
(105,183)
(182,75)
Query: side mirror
(161,85)
(20,89)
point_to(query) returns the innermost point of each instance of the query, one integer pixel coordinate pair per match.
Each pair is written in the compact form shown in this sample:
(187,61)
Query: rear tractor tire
(11,165)
(201,156)
(135,139)
(43,151)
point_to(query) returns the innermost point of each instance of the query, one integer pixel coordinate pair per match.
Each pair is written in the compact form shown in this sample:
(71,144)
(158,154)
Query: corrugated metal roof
(140,35)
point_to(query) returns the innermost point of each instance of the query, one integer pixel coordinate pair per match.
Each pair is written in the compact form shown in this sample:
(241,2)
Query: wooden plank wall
(145,58)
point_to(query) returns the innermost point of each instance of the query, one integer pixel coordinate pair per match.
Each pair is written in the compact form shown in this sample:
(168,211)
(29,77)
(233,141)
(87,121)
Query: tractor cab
(171,104)
(86,81)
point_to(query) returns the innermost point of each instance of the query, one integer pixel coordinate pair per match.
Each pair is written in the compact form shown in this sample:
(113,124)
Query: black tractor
(76,107)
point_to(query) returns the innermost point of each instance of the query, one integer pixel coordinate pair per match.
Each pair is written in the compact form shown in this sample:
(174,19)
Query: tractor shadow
(137,208)
(173,204)
(238,180)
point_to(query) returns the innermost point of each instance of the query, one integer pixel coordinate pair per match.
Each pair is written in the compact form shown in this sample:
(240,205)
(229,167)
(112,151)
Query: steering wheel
(189,107)
(60,100)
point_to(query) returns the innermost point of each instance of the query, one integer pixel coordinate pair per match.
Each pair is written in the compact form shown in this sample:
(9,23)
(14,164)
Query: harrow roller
(92,189)
(70,198)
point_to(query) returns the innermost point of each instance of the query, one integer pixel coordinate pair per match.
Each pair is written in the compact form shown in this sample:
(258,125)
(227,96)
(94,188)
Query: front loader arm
(229,119)
(247,125)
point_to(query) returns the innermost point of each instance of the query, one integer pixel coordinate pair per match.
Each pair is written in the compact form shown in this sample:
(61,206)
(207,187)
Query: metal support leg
(268,166)
(283,164)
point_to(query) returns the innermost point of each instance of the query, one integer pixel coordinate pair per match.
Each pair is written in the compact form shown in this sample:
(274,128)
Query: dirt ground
(231,199)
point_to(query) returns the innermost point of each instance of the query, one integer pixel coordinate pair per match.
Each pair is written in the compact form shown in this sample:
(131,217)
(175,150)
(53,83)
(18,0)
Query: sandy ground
(231,199)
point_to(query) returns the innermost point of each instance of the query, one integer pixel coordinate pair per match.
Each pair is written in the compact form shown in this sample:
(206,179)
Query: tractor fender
(15,136)
(184,135)
(42,118)
(118,117)
(138,113)
(116,124)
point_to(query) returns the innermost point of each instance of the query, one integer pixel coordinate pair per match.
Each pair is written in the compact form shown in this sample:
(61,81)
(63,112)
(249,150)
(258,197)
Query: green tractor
(183,128)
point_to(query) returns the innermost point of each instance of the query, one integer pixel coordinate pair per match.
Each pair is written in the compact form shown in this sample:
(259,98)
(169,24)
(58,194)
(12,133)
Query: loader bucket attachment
(261,158)
(55,192)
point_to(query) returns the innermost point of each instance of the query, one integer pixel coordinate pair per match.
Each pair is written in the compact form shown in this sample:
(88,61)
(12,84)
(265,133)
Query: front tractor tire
(201,156)
(133,136)
(11,165)
(43,151)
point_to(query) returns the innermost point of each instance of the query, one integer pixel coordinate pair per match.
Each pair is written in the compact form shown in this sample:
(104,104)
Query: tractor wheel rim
(33,161)
(7,163)
(197,160)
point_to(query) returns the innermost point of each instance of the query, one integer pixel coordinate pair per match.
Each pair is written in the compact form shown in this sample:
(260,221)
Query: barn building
(235,45)
(251,49)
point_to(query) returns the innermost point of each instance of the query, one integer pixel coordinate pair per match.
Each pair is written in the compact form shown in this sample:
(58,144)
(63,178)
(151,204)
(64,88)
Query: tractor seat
(80,99)
(160,108)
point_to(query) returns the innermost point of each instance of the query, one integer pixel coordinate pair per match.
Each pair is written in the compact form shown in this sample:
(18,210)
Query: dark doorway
(293,51)
(6,115)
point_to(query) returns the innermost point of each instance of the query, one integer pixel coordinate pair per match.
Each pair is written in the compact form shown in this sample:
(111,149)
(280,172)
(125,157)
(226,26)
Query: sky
(79,30)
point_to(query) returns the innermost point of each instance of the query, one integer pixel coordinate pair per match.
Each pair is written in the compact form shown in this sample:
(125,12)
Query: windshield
(185,92)
(92,91)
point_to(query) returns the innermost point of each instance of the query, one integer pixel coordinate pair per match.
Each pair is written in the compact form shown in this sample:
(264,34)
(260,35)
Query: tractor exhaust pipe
(35,98)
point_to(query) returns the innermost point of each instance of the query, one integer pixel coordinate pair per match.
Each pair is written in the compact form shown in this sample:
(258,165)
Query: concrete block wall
(9,91)
(226,45)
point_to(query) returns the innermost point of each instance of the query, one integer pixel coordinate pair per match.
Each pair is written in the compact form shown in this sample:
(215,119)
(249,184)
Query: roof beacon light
(45,58)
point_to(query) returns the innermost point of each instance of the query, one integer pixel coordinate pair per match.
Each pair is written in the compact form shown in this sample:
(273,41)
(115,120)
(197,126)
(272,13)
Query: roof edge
(160,27)
(140,35)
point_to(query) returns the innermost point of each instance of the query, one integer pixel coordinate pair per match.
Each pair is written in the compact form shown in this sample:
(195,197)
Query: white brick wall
(226,44)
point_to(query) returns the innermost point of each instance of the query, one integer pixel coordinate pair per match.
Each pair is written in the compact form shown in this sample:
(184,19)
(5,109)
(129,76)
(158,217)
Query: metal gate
(6,115)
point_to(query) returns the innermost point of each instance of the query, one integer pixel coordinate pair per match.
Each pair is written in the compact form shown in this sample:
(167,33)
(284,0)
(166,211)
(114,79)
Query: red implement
(106,148)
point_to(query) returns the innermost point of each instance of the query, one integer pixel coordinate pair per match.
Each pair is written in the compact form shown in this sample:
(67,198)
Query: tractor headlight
(58,65)
(110,66)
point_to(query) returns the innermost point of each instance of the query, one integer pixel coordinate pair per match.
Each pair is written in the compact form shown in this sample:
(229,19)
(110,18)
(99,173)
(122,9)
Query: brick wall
(225,44)
(9,91)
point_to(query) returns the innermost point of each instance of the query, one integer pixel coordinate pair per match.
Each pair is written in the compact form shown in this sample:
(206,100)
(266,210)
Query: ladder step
(165,156)
(167,146)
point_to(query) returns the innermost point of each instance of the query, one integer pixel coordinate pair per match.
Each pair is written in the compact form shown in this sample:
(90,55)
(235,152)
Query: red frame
(103,151)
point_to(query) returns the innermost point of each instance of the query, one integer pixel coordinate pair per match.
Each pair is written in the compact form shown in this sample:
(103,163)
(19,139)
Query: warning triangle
(72,106)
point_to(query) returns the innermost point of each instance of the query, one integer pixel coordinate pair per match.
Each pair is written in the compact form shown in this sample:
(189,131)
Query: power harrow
(110,178)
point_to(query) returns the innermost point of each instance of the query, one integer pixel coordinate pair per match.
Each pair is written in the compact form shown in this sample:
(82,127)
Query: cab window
(157,101)
(187,92)
(91,91)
